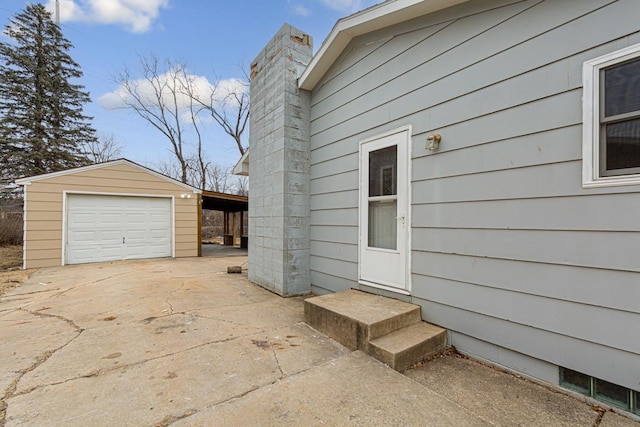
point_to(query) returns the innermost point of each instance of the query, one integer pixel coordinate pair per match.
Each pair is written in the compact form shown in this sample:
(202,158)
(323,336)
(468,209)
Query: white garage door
(108,228)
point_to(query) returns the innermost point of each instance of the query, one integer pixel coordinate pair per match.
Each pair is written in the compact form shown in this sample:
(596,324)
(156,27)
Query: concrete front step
(354,318)
(388,329)
(404,347)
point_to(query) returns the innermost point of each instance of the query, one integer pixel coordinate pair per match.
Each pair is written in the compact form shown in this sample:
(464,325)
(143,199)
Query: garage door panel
(159,233)
(136,236)
(136,218)
(80,217)
(158,250)
(85,255)
(136,251)
(158,219)
(108,228)
(82,235)
(107,236)
(113,218)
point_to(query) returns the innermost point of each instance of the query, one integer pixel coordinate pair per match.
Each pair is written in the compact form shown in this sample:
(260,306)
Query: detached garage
(111,211)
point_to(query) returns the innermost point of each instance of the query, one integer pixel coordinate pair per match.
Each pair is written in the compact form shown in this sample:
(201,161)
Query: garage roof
(30,179)
(376,17)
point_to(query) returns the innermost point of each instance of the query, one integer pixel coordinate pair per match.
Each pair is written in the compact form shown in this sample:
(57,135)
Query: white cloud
(347,6)
(301,10)
(202,88)
(136,15)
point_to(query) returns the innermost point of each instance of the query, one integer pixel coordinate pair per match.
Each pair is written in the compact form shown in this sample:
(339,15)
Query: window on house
(575,381)
(612,394)
(604,391)
(611,119)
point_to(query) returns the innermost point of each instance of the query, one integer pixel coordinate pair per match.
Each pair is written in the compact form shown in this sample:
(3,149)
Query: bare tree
(169,168)
(103,149)
(219,178)
(176,103)
(231,110)
(189,88)
(158,97)
(241,185)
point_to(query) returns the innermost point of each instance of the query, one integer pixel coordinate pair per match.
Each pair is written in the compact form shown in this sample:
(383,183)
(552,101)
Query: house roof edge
(376,17)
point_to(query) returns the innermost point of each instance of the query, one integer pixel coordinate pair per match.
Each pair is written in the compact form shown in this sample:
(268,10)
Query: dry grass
(10,257)
(10,262)
(11,279)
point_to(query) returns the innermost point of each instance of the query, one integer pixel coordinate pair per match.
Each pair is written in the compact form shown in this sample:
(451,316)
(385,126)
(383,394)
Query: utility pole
(58,12)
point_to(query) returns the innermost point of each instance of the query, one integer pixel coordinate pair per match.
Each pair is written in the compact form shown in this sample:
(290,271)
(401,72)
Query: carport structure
(234,207)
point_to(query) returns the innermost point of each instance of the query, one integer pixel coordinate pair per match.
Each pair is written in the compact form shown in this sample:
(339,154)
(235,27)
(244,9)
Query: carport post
(225,223)
(199,225)
(235,228)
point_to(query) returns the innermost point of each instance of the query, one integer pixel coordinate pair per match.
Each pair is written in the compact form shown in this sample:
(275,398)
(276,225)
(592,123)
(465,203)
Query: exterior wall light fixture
(433,142)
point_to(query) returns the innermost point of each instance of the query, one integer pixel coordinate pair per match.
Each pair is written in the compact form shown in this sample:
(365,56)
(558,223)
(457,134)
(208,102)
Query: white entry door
(108,228)
(384,211)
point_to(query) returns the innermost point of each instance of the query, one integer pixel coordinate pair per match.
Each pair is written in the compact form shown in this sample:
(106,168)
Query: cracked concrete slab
(328,395)
(611,419)
(299,347)
(110,347)
(264,314)
(26,338)
(180,342)
(499,397)
(148,392)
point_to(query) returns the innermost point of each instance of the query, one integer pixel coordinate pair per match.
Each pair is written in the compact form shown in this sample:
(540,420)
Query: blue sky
(216,38)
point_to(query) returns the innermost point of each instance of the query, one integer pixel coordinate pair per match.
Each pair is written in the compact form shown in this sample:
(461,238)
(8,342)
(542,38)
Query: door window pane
(623,145)
(382,172)
(382,224)
(622,89)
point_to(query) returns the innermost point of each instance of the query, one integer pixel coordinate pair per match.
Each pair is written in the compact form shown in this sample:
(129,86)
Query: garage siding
(45,211)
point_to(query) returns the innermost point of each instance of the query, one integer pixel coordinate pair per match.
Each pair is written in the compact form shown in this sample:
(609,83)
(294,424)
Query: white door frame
(66,193)
(406,209)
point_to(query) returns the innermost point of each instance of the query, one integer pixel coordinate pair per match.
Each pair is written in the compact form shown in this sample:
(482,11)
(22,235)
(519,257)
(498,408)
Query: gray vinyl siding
(507,247)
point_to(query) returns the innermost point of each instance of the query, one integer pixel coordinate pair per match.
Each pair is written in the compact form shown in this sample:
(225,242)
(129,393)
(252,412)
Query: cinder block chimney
(279,141)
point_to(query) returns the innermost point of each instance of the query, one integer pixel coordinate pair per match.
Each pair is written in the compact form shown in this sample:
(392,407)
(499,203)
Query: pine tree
(42,125)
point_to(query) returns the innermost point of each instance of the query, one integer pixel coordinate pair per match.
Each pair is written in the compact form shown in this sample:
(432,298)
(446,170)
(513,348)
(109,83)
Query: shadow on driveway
(218,250)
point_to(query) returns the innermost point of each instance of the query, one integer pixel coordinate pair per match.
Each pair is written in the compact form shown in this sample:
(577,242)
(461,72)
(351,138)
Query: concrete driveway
(181,342)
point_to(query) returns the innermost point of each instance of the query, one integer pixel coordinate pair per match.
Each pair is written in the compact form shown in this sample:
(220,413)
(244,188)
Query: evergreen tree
(42,125)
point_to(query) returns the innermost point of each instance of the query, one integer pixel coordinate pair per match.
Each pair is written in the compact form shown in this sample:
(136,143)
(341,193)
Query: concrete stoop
(391,331)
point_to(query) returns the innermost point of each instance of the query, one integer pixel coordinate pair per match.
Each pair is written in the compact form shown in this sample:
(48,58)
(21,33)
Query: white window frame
(591,174)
